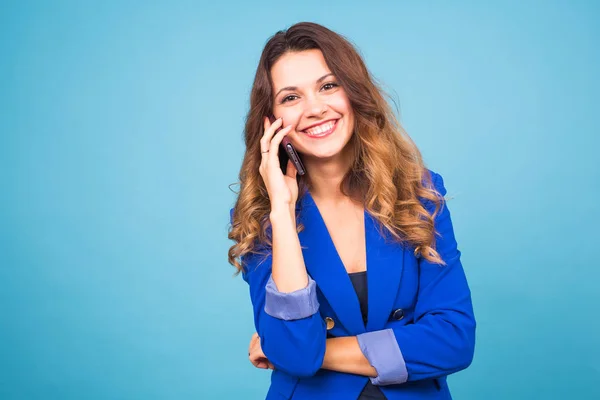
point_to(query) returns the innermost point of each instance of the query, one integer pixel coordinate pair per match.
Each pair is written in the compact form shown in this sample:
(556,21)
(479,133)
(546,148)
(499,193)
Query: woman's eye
(288,98)
(327,86)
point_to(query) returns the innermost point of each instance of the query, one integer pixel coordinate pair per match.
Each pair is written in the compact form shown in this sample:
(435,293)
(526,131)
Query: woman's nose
(315,107)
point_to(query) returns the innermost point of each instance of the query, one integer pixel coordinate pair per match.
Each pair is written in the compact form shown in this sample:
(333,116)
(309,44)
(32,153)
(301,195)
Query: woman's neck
(327,175)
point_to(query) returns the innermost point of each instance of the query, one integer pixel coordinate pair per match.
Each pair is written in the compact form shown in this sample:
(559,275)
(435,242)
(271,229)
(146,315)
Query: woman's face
(308,96)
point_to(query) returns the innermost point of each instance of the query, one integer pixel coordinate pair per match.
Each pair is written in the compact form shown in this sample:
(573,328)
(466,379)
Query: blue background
(121,128)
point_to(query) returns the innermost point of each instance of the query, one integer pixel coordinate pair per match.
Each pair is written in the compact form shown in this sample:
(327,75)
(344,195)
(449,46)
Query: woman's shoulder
(437,181)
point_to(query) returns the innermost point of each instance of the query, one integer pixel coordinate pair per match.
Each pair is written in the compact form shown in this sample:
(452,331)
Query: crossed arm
(342,354)
(290,330)
(292,337)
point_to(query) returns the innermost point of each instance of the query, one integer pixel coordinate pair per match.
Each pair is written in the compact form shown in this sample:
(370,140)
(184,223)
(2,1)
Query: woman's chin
(323,155)
(324,151)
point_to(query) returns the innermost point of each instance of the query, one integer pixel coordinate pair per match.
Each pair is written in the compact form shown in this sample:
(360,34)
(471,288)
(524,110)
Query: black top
(359,281)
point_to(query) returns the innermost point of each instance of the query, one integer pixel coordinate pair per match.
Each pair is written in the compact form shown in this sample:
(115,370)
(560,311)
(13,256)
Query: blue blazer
(436,334)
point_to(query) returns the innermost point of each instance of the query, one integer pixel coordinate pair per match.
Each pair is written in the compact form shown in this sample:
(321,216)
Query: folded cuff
(299,304)
(383,353)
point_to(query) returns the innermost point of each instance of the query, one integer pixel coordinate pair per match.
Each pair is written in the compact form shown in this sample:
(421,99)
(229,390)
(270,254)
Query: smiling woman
(316,108)
(355,277)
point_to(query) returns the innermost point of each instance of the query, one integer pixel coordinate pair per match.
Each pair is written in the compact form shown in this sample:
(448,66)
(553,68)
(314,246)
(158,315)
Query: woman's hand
(256,355)
(282,189)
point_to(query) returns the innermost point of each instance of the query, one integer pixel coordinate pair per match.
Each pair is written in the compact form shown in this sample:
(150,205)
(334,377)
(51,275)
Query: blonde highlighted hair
(387,175)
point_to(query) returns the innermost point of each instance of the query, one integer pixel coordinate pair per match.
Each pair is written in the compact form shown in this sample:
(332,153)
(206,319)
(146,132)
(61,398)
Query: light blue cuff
(299,304)
(383,353)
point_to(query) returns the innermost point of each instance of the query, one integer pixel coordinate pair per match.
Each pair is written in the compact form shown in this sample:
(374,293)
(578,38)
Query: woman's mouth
(321,131)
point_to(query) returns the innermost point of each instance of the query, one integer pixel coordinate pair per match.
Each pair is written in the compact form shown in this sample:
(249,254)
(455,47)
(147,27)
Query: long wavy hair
(387,175)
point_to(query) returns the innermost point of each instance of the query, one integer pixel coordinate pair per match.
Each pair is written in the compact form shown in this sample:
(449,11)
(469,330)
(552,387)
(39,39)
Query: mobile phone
(289,153)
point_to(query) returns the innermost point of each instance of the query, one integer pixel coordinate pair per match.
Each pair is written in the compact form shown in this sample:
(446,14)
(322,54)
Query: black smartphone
(289,153)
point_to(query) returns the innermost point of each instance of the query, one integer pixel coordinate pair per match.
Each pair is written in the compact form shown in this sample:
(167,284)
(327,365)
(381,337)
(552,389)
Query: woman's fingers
(258,359)
(274,144)
(270,150)
(252,342)
(256,355)
(280,188)
(268,134)
(255,358)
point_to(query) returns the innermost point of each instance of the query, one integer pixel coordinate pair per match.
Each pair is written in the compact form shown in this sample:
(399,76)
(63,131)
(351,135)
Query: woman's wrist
(343,354)
(288,269)
(283,214)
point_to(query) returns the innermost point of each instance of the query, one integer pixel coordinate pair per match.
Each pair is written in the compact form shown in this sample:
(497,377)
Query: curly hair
(387,172)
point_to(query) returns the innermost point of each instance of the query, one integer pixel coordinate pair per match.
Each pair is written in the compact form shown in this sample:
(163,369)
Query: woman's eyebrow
(295,87)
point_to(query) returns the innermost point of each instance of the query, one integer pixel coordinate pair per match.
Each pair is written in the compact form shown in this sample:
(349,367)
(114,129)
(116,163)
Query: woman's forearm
(288,270)
(344,355)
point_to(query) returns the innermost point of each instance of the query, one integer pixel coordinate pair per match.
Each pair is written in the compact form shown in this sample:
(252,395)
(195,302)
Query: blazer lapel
(325,266)
(385,259)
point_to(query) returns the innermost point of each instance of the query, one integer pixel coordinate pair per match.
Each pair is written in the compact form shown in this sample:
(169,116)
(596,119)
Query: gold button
(330,323)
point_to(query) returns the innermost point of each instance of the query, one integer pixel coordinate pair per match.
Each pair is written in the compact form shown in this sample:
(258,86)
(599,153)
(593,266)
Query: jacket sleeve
(292,333)
(441,341)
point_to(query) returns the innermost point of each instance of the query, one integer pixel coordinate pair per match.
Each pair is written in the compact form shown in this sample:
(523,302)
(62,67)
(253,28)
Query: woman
(355,278)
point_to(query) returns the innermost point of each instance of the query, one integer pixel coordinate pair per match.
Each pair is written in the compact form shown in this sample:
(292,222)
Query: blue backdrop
(120,128)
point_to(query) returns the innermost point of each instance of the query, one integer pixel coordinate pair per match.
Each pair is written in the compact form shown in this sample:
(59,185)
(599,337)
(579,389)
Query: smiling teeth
(321,128)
